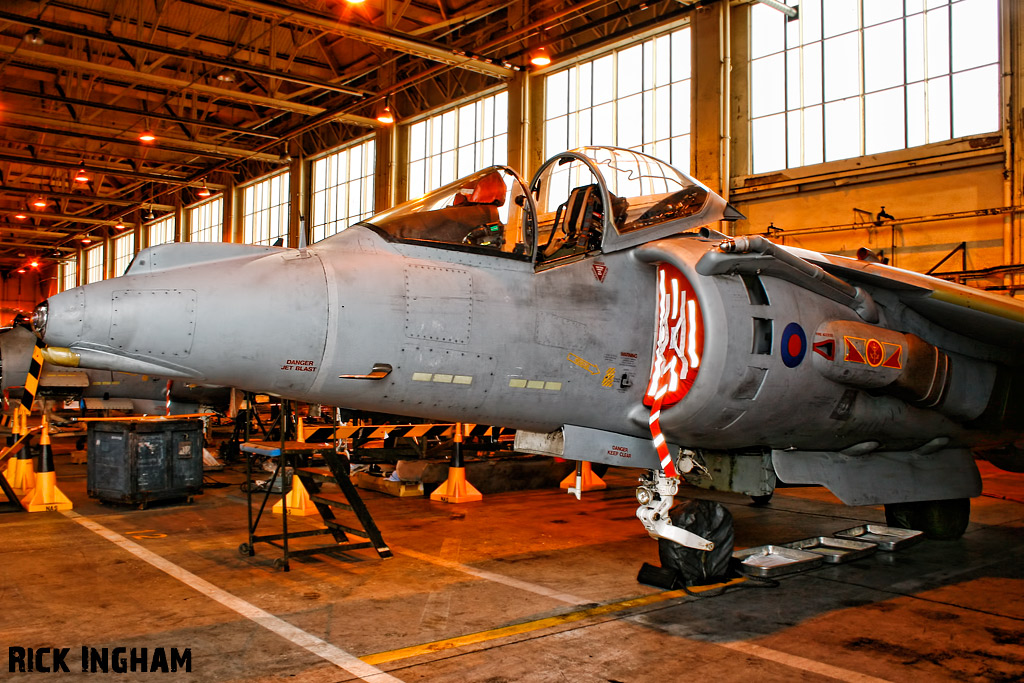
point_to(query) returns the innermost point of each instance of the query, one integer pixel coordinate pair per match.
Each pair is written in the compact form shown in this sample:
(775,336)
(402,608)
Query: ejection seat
(577,225)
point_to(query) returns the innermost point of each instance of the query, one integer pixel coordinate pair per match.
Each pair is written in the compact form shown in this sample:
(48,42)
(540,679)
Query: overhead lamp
(385,116)
(540,57)
(34,264)
(21,270)
(119,225)
(20,216)
(86,239)
(34,37)
(149,214)
(39,202)
(226,77)
(80,176)
(204,191)
(146,136)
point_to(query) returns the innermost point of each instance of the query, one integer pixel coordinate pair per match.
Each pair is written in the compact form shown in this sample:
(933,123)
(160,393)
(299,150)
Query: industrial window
(161,231)
(69,274)
(124,250)
(458,142)
(637,98)
(854,77)
(206,221)
(265,210)
(93,264)
(342,189)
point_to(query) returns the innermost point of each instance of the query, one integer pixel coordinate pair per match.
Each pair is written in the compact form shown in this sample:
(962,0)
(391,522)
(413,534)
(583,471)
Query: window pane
(883,121)
(767,31)
(883,56)
(770,152)
(842,129)
(842,67)
(768,86)
(976,101)
(971,19)
(839,16)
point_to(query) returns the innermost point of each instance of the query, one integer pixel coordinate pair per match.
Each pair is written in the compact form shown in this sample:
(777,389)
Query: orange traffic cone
(588,480)
(455,489)
(45,497)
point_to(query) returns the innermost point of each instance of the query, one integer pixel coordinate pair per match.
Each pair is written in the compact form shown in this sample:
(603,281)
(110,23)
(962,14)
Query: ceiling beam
(136,112)
(205,59)
(88,199)
(116,172)
(168,144)
(76,219)
(417,48)
(128,76)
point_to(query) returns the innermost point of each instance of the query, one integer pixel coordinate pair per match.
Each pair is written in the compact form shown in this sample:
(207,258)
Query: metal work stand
(288,454)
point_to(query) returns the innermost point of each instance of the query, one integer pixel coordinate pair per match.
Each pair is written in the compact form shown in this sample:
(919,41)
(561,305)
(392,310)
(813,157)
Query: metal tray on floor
(887,538)
(771,561)
(834,550)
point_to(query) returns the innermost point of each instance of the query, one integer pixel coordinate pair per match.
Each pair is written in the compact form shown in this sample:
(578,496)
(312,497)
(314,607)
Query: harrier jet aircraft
(597,312)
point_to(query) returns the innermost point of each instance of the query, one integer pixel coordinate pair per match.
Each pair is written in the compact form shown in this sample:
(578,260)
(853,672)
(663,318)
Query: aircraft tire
(940,520)
(709,520)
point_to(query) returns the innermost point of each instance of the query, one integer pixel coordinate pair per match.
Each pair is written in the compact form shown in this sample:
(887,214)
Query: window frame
(975,144)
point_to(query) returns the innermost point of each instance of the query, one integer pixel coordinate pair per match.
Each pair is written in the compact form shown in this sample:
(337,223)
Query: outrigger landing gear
(656,494)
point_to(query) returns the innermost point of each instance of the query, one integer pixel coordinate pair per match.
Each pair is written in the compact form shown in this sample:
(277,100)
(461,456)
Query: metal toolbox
(137,462)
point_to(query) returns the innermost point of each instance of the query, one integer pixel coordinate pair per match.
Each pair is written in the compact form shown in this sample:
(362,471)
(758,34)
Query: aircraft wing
(991,318)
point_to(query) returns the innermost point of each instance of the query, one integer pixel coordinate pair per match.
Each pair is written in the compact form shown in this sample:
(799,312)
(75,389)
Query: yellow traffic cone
(297,500)
(45,497)
(21,471)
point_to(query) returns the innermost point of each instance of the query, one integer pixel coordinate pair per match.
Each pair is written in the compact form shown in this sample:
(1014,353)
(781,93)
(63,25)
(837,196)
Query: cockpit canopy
(589,200)
(486,209)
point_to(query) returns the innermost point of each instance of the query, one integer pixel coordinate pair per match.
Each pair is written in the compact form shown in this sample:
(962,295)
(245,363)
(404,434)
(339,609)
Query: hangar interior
(830,125)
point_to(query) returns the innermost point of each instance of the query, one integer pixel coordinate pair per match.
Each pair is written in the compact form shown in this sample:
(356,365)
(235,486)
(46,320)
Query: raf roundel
(794,345)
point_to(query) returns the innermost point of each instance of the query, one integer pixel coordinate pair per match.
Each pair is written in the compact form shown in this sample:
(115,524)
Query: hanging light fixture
(86,239)
(119,225)
(149,214)
(20,216)
(80,176)
(204,191)
(39,202)
(147,136)
(540,57)
(385,116)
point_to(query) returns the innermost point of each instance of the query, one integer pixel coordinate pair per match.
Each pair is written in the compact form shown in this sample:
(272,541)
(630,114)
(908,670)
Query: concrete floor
(525,586)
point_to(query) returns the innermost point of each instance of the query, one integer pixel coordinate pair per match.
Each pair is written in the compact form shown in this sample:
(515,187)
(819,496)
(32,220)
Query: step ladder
(337,472)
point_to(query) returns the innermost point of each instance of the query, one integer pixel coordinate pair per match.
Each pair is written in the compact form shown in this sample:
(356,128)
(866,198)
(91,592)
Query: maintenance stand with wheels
(295,455)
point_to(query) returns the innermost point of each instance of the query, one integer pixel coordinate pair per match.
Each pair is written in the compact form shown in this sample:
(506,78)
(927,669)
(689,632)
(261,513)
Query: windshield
(648,191)
(487,209)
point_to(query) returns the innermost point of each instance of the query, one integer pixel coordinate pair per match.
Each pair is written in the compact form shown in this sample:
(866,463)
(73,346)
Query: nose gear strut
(656,494)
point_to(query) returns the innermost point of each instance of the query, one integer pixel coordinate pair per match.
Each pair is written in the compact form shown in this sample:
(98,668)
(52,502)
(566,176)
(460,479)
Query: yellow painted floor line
(539,624)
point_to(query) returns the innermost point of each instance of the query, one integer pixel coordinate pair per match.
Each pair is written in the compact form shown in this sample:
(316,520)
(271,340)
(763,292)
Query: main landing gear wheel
(709,520)
(940,520)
